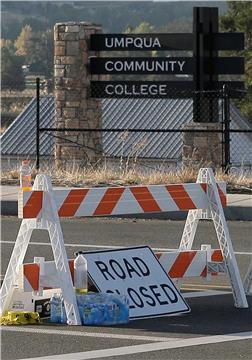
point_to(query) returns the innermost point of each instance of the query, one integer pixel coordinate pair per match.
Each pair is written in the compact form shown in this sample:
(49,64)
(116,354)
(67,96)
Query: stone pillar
(74,108)
(202,149)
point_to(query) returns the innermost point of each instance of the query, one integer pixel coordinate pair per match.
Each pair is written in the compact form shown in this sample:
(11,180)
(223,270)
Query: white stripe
(90,202)
(197,195)
(26,284)
(205,286)
(86,334)
(127,204)
(136,349)
(60,197)
(204,293)
(168,259)
(243,253)
(26,196)
(163,198)
(197,264)
(107,246)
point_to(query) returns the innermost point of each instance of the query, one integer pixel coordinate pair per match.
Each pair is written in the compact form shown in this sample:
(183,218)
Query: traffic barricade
(43,207)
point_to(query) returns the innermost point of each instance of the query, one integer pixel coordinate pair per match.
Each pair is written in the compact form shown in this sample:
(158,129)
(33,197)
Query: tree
(23,42)
(12,76)
(143,27)
(239,19)
(37,50)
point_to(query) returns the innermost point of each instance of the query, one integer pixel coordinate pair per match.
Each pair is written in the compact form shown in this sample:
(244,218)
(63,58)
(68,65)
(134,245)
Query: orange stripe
(71,267)
(204,272)
(109,201)
(181,264)
(145,199)
(72,202)
(223,197)
(181,197)
(31,273)
(204,187)
(217,256)
(33,206)
(158,255)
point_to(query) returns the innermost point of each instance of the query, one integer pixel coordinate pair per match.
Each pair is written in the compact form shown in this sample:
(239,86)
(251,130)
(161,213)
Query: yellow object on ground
(20,318)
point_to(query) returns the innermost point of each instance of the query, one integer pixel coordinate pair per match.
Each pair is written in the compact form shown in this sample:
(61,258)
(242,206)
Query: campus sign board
(161,42)
(152,89)
(159,65)
(136,273)
(200,70)
(140,42)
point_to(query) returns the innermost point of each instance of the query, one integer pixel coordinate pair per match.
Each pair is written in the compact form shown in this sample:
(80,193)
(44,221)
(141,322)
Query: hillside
(113,16)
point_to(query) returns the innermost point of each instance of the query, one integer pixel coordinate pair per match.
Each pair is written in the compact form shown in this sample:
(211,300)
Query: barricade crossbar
(42,275)
(107,201)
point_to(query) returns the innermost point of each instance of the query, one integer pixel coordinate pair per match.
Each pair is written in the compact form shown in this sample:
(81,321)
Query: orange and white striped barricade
(42,275)
(42,207)
(43,204)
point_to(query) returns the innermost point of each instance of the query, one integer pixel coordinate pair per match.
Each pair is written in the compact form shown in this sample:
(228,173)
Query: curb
(238,213)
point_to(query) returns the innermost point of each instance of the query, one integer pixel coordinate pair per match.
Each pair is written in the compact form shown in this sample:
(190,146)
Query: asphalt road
(201,334)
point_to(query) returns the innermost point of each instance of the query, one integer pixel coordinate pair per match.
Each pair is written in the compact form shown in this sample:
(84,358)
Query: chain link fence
(241,143)
(144,130)
(16,96)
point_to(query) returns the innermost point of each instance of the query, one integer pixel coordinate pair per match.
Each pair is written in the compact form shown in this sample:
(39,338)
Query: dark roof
(20,136)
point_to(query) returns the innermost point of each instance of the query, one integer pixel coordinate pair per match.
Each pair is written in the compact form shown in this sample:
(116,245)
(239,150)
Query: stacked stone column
(74,107)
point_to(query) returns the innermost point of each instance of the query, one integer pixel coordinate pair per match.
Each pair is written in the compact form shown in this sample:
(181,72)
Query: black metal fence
(140,138)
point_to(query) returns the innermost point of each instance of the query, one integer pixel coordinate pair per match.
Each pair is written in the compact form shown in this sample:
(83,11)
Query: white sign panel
(137,273)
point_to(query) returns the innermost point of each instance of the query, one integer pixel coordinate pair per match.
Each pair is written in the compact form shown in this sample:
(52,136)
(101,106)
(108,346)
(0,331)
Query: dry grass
(134,175)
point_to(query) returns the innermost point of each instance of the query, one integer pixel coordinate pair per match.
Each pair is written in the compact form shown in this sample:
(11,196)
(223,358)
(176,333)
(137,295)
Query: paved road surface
(213,330)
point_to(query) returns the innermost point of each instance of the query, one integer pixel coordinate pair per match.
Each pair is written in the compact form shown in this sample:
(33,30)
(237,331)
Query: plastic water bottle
(25,176)
(116,310)
(56,304)
(63,317)
(80,273)
(103,309)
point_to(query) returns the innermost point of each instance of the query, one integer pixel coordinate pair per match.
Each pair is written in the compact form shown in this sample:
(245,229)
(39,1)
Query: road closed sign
(137,273)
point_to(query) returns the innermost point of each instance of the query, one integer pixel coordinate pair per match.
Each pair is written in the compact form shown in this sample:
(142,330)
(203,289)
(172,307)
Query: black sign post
(205,22)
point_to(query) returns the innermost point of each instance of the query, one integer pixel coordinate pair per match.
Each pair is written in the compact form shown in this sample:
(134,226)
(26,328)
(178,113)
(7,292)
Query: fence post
(226,109)
(37,120)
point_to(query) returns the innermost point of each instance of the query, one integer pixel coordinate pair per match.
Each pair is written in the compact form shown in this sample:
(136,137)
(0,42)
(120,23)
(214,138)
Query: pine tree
(239,19)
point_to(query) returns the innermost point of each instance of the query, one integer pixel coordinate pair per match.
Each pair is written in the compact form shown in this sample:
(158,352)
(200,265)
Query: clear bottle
(25,176)
(80,273)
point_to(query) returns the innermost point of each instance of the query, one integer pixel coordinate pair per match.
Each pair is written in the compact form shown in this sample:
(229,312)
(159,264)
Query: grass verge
(74,175)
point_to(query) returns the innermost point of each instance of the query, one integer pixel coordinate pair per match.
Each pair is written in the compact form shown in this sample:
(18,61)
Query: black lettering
(174,297)
(114,263)
(113,291)
(104,269)
(143,268)
(157,294)
(142,289)
(130,268)
(135,298)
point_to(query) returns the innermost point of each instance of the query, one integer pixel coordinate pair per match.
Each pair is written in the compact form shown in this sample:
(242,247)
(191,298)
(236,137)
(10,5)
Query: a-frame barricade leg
(48,220)
(216,213)
(17,258)
(247,283)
